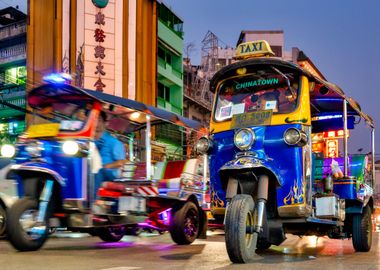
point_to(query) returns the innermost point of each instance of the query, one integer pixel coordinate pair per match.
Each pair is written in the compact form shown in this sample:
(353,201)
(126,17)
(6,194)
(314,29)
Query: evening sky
(341,37)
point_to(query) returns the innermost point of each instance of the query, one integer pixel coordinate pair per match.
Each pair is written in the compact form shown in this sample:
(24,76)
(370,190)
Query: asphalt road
(158,252)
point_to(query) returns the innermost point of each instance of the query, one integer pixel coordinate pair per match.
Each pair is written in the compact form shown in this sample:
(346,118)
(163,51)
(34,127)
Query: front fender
(249,162)
(37,168)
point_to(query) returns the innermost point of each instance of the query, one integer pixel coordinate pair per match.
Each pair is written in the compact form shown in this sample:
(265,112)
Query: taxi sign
(43,130)
(253,49)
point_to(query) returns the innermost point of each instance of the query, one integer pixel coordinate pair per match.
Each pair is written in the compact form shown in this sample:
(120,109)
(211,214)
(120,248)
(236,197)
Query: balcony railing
(14,94)
(12,30)
(168,106)
(169,68)
(13,53)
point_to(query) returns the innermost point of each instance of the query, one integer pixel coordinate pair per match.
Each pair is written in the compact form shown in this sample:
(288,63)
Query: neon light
(331,134)
(325,117)
(332,148)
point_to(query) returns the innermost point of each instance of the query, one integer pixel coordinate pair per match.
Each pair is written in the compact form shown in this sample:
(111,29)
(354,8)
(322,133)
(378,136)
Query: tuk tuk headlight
(293,136)
(8,150)
(203,145)
(244,138)
(70,148)
(74,148)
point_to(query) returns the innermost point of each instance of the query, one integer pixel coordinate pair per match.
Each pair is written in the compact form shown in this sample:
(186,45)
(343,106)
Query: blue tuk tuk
(56,161)
(278,155)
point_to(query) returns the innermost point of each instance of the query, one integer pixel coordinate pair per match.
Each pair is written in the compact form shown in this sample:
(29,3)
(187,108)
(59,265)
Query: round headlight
(244,138)
(8,150)
(293,136)
(202,145)
(70,148)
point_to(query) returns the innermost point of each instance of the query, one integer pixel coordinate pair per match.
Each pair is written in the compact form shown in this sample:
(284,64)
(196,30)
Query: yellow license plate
(43,130)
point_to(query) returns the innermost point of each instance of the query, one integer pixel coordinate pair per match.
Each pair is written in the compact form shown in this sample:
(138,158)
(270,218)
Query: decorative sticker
(271,105)
(238,108)
(225,112)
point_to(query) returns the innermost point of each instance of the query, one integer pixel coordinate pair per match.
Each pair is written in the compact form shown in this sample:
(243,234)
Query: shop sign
(99,50)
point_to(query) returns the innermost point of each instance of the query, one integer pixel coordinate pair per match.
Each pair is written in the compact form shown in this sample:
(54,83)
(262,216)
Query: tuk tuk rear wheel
(25,235)
(184,224)
(362,230)
(240,238)
(110,234)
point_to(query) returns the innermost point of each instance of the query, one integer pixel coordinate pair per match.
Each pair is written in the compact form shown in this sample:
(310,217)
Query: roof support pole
(373,157)
(345,145)
(148,149)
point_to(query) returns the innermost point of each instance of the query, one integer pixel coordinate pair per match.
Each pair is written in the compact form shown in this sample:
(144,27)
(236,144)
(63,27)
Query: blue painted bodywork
(69,171)
(271,152)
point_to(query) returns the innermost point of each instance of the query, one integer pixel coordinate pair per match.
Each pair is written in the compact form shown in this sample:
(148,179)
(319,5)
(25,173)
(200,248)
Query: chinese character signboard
(99,50)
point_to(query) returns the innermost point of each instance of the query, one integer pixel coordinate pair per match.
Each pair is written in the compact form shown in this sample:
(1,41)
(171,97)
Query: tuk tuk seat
(171,182)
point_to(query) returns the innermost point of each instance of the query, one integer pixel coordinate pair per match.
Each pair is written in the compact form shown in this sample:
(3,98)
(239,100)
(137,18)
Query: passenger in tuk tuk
(111,150)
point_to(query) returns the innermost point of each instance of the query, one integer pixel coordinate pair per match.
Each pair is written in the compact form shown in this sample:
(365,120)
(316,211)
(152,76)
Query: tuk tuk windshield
(257,91)
(70,116)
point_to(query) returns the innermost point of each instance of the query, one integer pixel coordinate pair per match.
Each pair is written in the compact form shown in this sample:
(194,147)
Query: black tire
(110,234)
(3,221)
(184,224)
(19,237)
(362,230)
(240,242)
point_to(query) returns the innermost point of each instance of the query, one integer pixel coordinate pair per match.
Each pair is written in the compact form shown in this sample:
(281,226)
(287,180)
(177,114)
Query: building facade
(12,73)
(169,58)
(108,46)
(169,77)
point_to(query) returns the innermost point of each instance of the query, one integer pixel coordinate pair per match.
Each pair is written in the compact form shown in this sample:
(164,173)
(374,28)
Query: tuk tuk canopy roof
(44,95)
(325,98)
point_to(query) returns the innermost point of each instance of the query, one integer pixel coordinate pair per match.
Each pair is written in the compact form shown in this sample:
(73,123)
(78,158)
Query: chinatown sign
(99,50)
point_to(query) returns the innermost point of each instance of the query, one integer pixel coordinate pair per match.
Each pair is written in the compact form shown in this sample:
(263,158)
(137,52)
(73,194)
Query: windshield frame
(221,83)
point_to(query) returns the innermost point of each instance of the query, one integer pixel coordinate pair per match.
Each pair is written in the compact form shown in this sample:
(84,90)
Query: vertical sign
(99,50)
(332,148)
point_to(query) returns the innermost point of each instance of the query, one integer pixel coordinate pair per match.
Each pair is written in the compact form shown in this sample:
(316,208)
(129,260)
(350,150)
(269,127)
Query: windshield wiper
(292,91)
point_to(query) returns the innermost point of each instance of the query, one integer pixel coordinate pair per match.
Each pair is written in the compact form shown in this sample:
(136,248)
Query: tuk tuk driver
(112,152)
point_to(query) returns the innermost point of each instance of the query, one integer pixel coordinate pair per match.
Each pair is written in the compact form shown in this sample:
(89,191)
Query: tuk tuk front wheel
(3,221)
(362,230)
(184,224)
(240,238)
(111,234)
(25,234)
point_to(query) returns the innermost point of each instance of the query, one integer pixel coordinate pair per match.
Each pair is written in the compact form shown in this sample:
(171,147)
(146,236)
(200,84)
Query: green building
(170,74)
(12,72)
(170,68)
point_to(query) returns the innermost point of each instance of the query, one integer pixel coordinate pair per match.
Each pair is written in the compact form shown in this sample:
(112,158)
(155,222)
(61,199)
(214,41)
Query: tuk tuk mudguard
(30,181)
